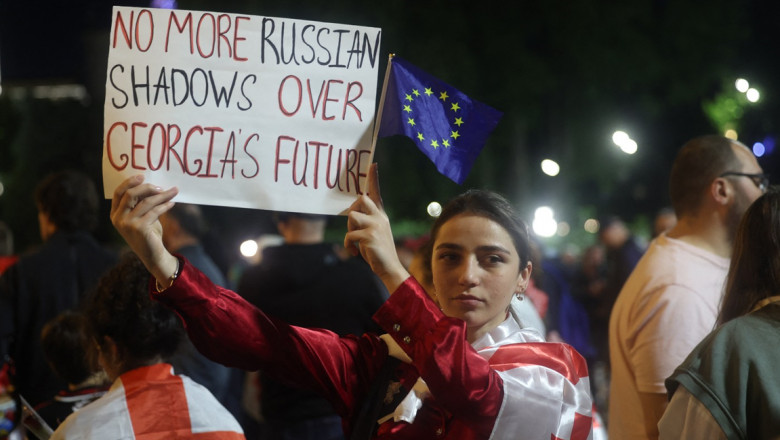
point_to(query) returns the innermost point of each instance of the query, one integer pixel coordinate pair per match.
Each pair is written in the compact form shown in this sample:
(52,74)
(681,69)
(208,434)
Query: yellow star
(443,96)
(428,91)
(454,134)
(420,136)
(411,122)
(458,121)
(435,144)
(409,98)
(455,107)
(415,92)
(408,109)
(445,142)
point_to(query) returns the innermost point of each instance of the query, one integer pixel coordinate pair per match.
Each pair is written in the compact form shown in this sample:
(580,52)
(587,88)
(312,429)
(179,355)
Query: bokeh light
(592,225)
(731,134)
(752,95)
(758,149)
(248,248)
(742,85)
(624,141)
(563,229)
(544,224)
(550,167)
(434,209)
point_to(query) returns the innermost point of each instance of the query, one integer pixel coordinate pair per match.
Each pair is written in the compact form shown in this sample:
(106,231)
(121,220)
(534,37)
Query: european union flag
(448,126)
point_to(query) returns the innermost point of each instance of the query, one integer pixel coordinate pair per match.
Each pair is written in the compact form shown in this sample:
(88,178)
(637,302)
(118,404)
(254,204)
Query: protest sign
(239,110)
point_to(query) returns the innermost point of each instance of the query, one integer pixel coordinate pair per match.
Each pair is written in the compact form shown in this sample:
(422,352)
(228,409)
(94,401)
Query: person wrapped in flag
(459,369)
(146,400)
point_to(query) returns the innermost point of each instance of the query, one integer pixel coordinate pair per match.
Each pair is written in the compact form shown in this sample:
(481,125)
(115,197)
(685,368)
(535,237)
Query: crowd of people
(472,333)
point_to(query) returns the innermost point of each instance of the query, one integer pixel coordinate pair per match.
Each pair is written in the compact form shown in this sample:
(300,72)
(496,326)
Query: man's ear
(721,191)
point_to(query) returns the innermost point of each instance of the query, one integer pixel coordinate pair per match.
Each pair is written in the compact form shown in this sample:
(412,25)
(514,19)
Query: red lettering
(198,162)
(122,156)
(133,145)
(302,180)
(319,97)
(278,161)
(119,25)
(151,29)
(317,146)
(213,31)
(328,99)
(172,141)
(349,102)
(349,167)
(300,93)
(162,150)
(211,131)
(221,35)
(257,165)
(337,181)
(236,39)
(360,167)
(180,27)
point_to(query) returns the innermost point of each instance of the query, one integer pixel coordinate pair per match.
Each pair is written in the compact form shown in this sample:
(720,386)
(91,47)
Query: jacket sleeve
(456,374)
(229,330)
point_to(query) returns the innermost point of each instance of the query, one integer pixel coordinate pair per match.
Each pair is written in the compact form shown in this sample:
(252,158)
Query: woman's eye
(494,259)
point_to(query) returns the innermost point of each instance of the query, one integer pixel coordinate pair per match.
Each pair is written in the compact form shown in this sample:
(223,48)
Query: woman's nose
(468,273)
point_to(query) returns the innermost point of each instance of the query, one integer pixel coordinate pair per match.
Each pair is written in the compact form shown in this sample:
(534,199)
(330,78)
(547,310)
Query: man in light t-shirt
(670,301)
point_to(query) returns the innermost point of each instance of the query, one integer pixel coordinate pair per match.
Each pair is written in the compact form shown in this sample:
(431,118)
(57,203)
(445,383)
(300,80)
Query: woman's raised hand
(368,232)
(135,212)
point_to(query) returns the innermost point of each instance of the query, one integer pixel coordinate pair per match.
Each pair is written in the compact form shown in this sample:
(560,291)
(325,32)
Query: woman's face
(476,272)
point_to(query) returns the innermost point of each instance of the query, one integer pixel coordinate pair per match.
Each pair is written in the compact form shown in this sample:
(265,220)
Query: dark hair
(68,348)
(494,207)
(754,273)
(121,309)
(190,218)
(698,163)
(69,199)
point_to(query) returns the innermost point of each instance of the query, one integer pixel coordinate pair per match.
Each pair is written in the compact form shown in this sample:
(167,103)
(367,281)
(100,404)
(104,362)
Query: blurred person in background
(302,282)
(670,301)
(51,279)
(727,388)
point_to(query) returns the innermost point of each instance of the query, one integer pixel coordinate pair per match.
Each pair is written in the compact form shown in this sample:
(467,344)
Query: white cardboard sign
(239,110)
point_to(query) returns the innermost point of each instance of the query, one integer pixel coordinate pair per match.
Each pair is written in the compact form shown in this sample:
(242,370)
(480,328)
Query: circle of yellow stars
(443,97)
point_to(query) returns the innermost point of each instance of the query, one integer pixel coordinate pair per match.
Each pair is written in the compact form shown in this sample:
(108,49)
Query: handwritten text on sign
(240,110)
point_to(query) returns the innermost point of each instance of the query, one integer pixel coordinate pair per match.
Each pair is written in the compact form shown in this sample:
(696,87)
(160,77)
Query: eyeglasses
(761,180)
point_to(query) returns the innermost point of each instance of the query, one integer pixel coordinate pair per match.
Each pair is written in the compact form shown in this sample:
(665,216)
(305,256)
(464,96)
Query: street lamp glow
(550,167)
(629,146)
(752,95)
(742,85)
(249,248)
(434,209)
(731,134)
(619,137)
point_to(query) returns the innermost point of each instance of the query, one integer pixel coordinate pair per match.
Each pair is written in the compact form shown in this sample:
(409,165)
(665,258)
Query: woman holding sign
(465,371)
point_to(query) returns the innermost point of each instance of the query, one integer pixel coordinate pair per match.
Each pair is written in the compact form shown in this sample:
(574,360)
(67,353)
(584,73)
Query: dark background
(566,74)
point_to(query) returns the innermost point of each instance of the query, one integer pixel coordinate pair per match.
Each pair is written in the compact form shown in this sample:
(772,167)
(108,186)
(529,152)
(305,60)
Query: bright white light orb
(629,146)
(550,167)
(545,227)
(619,137)
(742,85)
(731,134)
(592,225)
(248,248)
(434,209)
(544,212)
(752,95)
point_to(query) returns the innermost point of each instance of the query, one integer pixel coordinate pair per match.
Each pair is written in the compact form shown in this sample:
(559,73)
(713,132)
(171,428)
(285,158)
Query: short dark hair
(494,207)
(69,199)
(190,218)
(68,348)
(122,309)
(754,273)
(697,164)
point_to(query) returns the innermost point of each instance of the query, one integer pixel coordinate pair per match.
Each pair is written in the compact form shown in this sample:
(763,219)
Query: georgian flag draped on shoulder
(557,406)
(444,123)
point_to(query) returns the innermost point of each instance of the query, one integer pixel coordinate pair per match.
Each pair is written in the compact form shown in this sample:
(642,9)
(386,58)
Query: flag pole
(378,119)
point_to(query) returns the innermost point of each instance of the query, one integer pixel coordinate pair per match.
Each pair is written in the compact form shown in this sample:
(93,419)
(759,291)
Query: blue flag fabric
(448,126)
